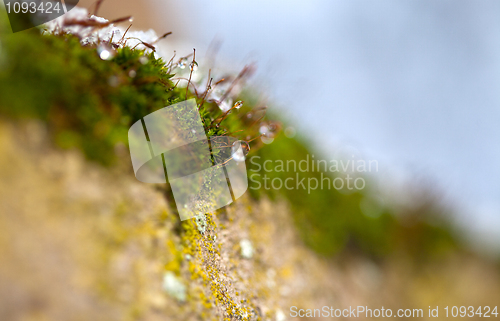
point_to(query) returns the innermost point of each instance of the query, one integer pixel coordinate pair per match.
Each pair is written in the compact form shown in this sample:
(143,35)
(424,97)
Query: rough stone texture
(82,242)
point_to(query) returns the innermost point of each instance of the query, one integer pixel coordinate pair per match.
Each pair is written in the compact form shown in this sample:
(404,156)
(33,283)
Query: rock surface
(79,241)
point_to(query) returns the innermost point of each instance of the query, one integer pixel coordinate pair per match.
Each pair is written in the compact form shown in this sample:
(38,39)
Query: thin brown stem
(251,140)
(123,37)
(191,84)
(222,117)
(222,80)
(170,62)
(148,45)
(209,83)
(162,37)
(242,73)
(237,131)
(191,72)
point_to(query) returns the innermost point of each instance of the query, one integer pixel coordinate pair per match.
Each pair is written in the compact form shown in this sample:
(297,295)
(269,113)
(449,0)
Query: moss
(89,104)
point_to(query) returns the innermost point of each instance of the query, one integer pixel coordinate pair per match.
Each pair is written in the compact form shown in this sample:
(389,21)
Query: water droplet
(132,73)
(239,150)
(194,66)
(131,19)
(267,140)
(143,60)
(106,51)
(182,63)
(290,132)
(249,115)
(264,129)
(238,104)
(267,130)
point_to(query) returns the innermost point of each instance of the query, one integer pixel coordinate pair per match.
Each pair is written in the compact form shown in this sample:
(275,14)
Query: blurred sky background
(413,84)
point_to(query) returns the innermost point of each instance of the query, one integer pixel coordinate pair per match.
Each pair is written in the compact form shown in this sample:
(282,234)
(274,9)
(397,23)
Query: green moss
(89,104)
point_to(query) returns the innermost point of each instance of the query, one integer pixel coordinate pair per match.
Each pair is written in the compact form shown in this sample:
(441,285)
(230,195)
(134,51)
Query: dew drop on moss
(267,140)
(238,151)
(143,60)
(182,63)
(106,51)
(193,66)
(238,104)
(264,129)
